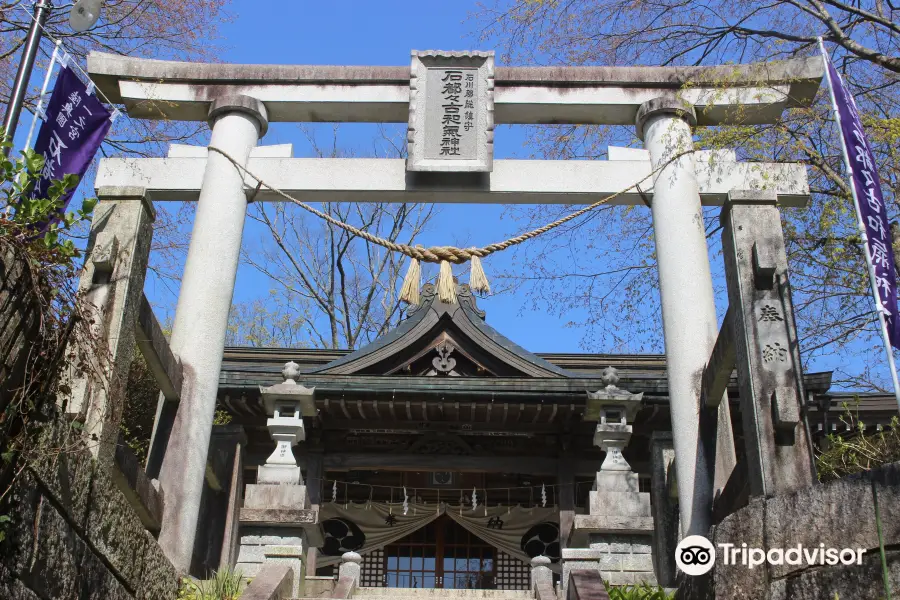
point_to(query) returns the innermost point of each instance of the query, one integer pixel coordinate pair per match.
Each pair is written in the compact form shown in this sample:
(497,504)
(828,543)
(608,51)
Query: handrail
(586,585)
(273,582)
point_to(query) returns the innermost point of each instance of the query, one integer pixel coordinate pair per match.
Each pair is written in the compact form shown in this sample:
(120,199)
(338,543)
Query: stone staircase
(382,593)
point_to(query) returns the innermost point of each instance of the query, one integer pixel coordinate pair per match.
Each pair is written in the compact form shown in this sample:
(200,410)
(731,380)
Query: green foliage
(224,585)
(24,218)
(859,451)
(222,417)
(641,591)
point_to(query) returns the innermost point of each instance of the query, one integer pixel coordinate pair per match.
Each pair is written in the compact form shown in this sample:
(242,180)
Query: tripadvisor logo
(696,555)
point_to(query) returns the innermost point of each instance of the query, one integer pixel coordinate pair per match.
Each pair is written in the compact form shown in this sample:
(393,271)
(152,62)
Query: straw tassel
(446,286)
(478,281)
(409,293)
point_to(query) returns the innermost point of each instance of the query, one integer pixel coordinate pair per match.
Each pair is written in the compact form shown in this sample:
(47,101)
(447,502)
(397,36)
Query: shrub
(641,591)
(859,451)
(224,585)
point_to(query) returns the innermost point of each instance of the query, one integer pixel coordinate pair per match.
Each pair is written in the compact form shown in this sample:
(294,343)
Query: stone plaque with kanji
(451,111)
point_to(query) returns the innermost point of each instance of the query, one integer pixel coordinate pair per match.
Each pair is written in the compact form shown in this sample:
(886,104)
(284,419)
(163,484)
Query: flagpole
(862,230)
(40,104)
(42,10)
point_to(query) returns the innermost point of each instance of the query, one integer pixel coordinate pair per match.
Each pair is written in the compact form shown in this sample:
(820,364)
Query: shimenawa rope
(442,255)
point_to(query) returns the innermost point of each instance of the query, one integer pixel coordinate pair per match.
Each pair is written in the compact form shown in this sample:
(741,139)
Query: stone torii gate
(239,102)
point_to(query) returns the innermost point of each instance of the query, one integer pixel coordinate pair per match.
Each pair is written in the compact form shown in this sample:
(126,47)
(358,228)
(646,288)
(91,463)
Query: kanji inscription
(769,313)
(451,112)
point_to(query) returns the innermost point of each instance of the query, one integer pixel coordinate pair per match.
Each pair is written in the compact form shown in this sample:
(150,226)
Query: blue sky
(383,33)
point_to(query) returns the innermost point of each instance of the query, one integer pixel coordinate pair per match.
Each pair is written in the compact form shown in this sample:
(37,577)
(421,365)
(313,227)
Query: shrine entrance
(441,554)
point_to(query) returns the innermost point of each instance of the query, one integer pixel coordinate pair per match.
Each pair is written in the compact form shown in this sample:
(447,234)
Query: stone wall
(839,514)
(73,535)
(620,559)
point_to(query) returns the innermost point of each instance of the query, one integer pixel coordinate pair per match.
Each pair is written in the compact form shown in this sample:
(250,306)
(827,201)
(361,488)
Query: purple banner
(75,125)
(864,175)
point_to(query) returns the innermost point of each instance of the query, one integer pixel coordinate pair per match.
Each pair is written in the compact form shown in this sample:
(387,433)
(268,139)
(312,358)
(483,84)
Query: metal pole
(42,10)
(862,232)
(40,105)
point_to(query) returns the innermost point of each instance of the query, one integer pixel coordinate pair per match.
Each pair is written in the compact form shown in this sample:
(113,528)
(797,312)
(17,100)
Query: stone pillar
(686,292)
(349,575)
(542,578)
(201,318)
(664,507)
(619,525)
(277,522)
(767,352)
(113,284)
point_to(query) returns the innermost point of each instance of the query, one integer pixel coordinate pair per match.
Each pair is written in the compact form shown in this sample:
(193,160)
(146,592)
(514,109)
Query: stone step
(377,593)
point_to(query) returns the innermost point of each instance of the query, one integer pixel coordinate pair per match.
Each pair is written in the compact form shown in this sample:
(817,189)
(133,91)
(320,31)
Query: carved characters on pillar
(615,409)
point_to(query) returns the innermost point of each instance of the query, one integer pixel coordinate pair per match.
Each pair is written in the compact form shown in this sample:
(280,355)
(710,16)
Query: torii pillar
(688,308)
(201,318)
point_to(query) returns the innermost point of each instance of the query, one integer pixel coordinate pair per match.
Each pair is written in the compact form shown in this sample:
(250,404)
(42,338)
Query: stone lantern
(613,409)
(286,404)
(615,536)
(277,523)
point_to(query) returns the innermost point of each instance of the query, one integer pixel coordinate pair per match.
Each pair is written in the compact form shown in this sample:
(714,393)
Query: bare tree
(272,322)
(617,301)
(345,288)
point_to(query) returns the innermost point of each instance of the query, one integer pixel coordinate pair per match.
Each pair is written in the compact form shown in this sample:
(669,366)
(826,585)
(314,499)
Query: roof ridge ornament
(463,296)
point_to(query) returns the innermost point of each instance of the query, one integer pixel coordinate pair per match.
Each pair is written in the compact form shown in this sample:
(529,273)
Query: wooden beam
(472,428)
(479,464)
(718,370)
(165,366)
(565,479)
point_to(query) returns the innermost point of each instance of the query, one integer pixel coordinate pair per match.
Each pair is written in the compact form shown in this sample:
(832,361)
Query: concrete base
(276,496)
(277,526)
(616,538)
(280,474)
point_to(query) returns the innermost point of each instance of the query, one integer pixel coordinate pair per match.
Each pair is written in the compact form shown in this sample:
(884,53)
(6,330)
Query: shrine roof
(477,360)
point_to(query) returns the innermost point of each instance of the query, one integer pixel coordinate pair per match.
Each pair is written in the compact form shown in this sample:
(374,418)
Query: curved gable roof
(434,323)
